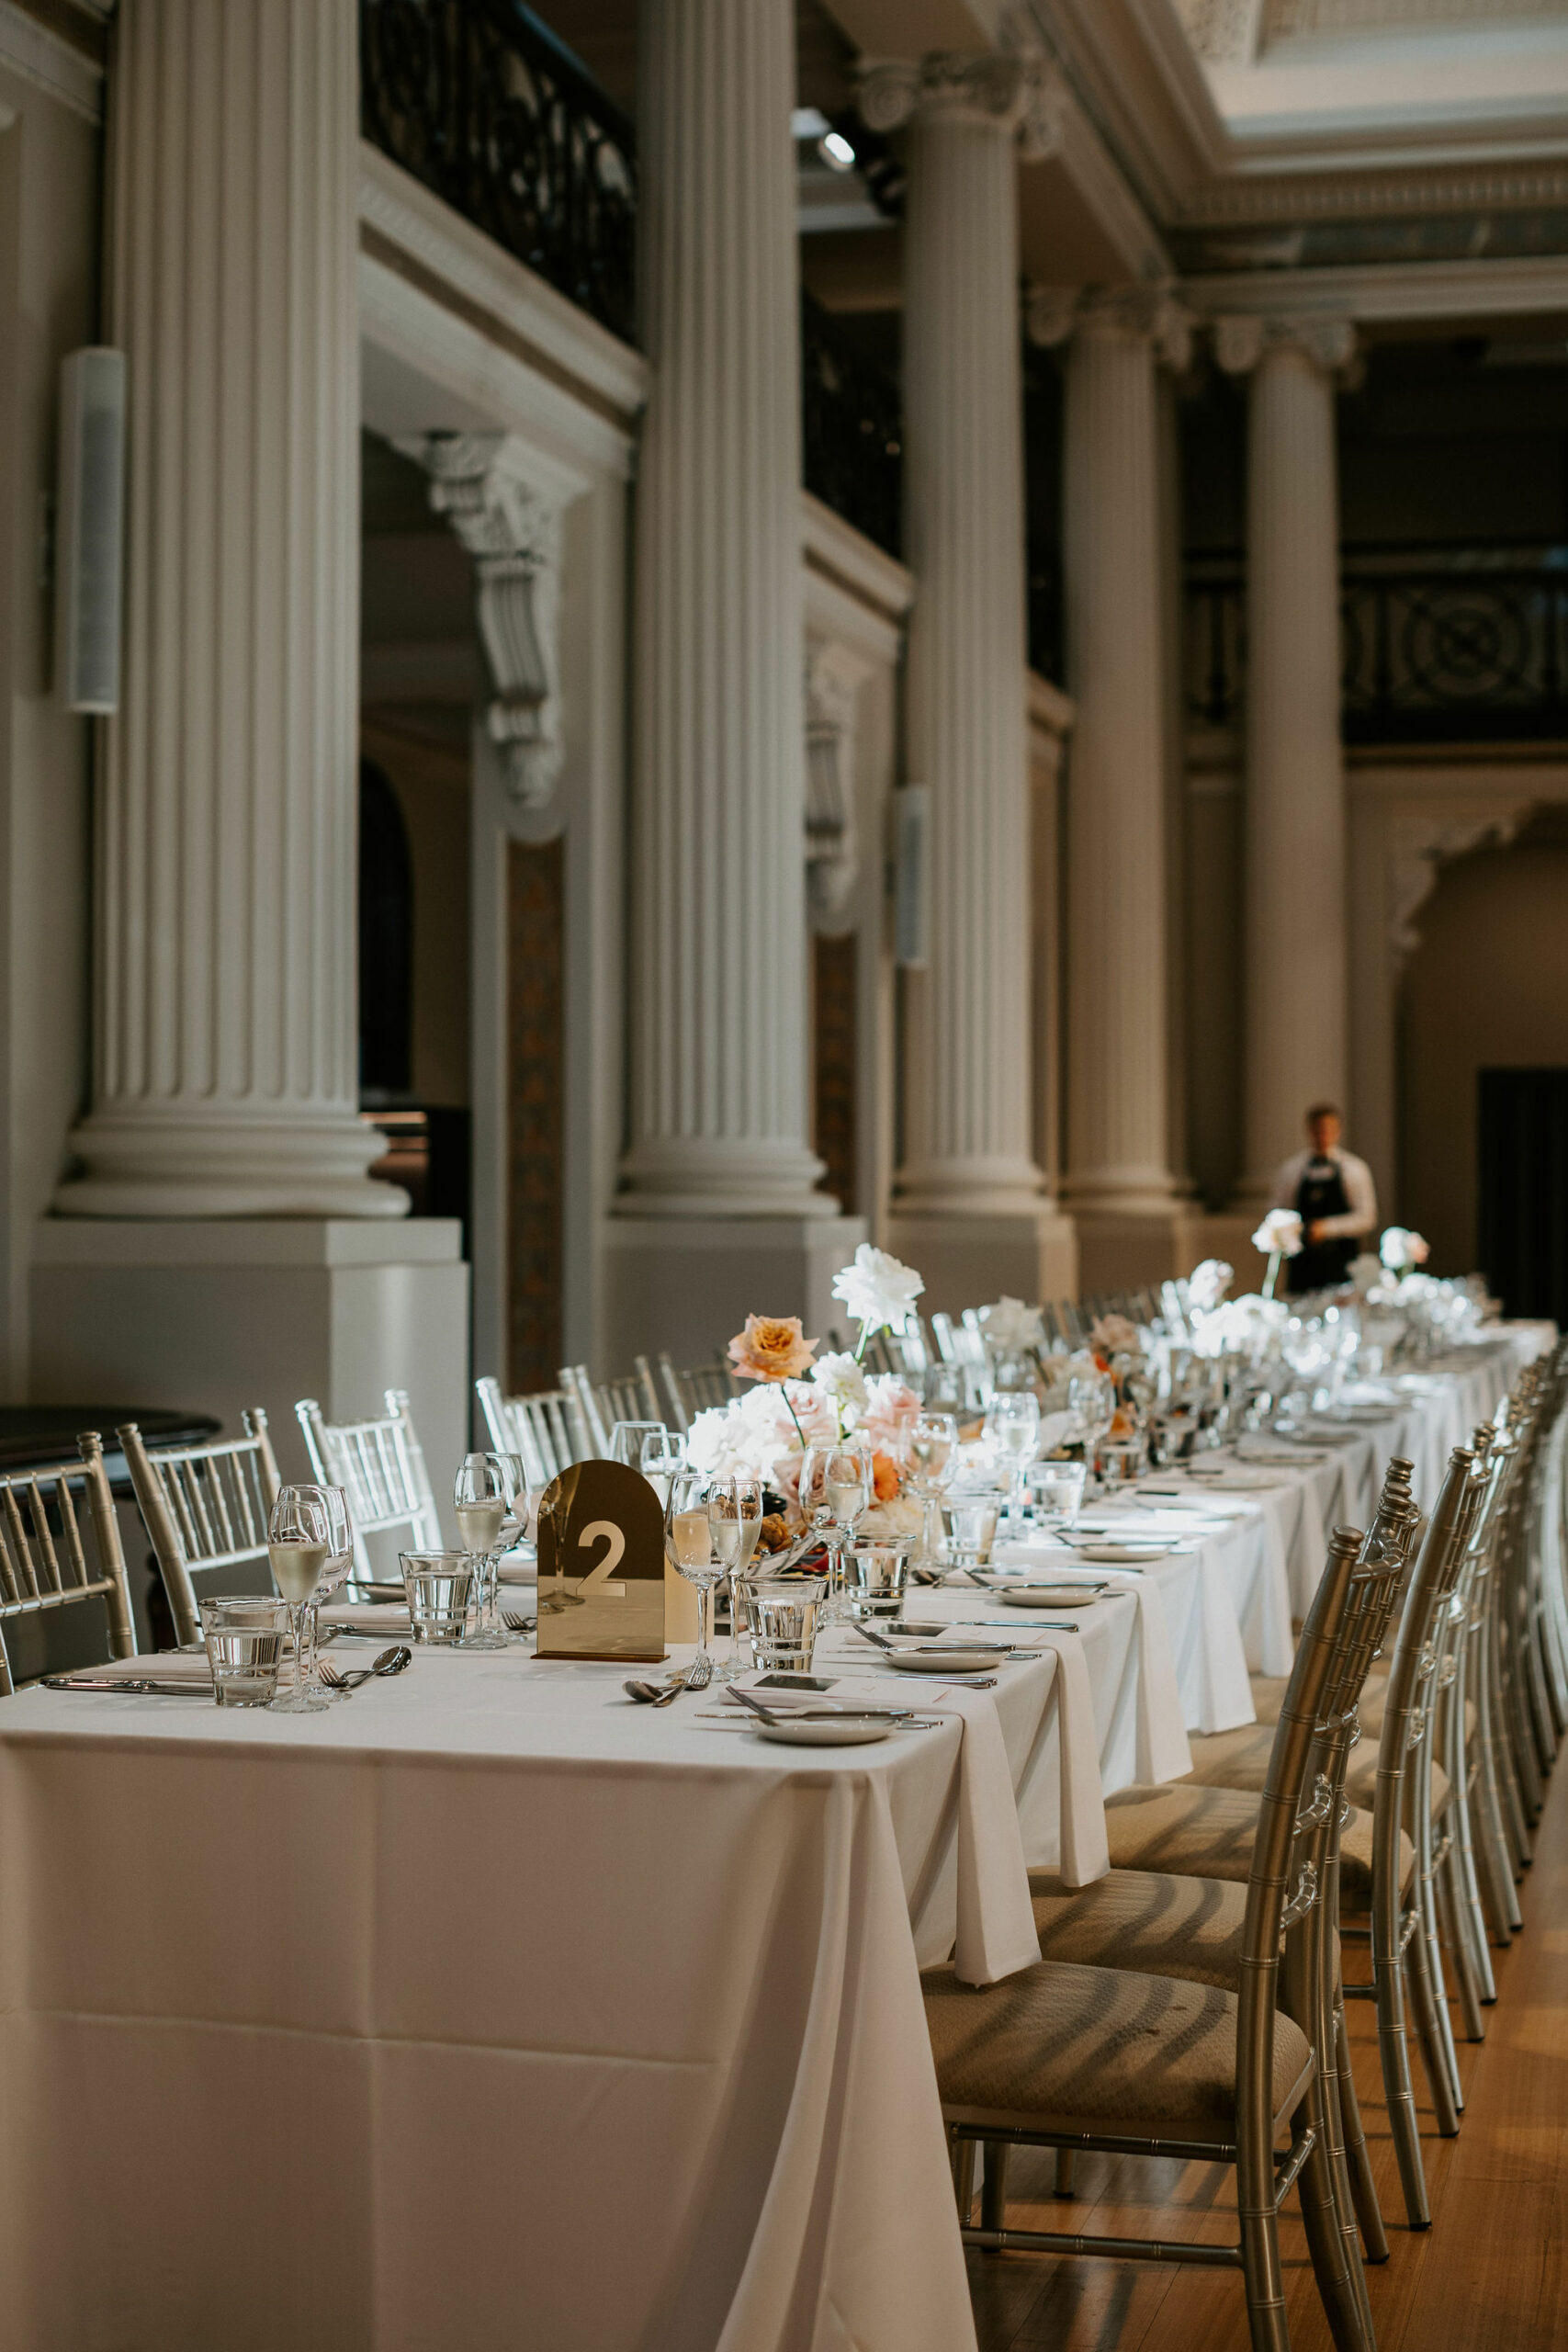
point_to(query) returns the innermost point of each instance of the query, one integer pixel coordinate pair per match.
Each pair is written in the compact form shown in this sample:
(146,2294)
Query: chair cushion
(1361,1780)
(1097,2046)
(1146,1920)
(1196,1832)
(1239,1760)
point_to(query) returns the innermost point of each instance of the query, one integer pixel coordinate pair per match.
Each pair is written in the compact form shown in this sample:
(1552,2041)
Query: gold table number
(601,1547)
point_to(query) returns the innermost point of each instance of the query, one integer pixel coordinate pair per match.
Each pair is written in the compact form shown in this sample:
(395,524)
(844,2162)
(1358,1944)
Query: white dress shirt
(1360,1217)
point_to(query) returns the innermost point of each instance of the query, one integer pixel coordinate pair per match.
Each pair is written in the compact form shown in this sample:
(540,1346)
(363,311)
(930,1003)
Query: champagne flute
(298,1546)
(735,1521)
(933,1446)
(340,1560)
(1012,1430)
(628,1438)
(663,1453)
(482,1495)
(688,1547)
(847,1488)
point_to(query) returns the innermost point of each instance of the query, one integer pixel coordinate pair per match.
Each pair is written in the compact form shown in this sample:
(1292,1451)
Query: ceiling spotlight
(836,150)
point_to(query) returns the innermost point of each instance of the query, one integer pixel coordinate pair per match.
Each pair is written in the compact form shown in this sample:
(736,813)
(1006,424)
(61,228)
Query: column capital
(1051,314)
(1015,94)
(1242,342)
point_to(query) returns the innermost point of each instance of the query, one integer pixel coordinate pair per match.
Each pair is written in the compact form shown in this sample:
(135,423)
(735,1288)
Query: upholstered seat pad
(1269,1693)
(1146,1920)
(1097,2046)
(1239,1760)
(1196,1832)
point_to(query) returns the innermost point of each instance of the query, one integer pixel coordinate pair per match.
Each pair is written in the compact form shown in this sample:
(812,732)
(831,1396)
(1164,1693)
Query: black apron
(1320,1265)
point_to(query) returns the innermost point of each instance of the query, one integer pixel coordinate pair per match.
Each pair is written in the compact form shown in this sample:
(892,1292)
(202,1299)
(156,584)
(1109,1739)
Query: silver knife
(134,1684)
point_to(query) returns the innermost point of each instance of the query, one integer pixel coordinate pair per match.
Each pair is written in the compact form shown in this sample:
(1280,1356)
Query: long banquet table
(489,2009)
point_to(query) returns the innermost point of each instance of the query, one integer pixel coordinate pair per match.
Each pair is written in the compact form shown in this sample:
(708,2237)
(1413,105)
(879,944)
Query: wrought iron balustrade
(851,430)
(479,100)
(1437,645)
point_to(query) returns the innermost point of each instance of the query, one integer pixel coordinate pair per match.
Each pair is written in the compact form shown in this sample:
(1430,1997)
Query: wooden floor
(1489,2276)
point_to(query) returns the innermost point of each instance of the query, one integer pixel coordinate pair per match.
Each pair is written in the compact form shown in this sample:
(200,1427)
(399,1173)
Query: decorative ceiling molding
(1285,18)
(1422,290)
(1465,189)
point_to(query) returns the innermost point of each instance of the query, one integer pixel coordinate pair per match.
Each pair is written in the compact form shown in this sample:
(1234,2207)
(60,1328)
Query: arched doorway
(1485,990)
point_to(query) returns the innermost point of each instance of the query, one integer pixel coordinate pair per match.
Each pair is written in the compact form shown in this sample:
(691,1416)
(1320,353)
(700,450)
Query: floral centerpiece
(1208,1282)
(1403,1251)
(801,1399)
(1278,1238)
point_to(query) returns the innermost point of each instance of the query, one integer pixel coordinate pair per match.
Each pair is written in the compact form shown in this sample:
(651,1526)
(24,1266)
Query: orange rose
(771,1346)
(884,1478)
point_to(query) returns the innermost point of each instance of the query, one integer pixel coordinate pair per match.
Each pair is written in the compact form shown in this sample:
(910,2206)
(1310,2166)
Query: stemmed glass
(340,1559)
(835,1494)
(628,1438)
(483,1496)
(688,1547)
(933,1442)
(298,1546)
(735,1521)
(1092,1397)
(1012,1430)
(663,1453)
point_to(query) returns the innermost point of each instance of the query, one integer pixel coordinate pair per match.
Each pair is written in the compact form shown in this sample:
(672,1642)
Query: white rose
(841,1379)
(1281,1230)
(1010,1327)
(879,1293)
(1207,1284)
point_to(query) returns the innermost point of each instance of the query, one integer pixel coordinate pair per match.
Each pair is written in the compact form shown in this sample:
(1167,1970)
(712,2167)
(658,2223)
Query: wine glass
(663,1453)
(688,1547)
(483,1496)
(933,1443)
(340,1560)
(628,1438)
(1012,1431)
(735,1521)
(840,1491)
(298,1546)
(1092,1397)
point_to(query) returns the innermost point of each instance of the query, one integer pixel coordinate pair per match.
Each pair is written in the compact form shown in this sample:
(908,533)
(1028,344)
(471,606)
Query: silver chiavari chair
(60,1545)
(380,1465)
(601,1404)
(1130,2059)
(700,1390)
(203,1506)
(545,1431)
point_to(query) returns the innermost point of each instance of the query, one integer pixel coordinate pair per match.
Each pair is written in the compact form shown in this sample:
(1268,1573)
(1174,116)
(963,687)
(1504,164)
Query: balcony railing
(1438,645)
(479,100)
(851,429)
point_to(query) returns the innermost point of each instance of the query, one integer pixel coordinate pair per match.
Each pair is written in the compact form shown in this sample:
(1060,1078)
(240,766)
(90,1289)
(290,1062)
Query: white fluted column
(225,1078)
(967,1093)
(718,1210)
(1118,1185)
(718,1014)
(1296,940)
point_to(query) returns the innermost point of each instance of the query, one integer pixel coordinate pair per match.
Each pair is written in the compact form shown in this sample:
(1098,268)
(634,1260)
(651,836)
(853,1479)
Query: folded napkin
(996,1935)
(162,1666)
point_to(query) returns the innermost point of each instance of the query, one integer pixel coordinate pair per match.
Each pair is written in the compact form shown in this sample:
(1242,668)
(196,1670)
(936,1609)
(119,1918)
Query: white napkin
(996,1934)
(161,1666)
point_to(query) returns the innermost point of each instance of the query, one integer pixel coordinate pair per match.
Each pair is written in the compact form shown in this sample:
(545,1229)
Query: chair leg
(1399,2095)
(994,2187)
(1326,2240)
(962,2153)
(1428,2033)
(1363,2189)
(1454,1925)
(1427,1932)
(1067,2170)
(1261,2275)
(1467,1890)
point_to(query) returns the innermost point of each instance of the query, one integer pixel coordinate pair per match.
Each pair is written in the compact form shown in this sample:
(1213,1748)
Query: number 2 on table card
(603,1531)
(600,1565)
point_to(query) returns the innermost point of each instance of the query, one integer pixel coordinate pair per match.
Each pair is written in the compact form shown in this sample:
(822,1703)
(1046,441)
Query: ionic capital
(1020,94)
(1054,313)
(1241,344)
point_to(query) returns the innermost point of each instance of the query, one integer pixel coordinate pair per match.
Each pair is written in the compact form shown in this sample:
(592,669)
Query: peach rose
(771,1346)
(884,1478)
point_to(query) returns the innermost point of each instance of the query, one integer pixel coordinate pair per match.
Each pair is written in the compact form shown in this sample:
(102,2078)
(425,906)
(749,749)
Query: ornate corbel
(513,533)
(833,676)
(1022,93)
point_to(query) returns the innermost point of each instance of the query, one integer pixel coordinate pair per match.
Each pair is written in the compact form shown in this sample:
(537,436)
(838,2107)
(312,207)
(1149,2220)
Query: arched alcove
(1486,987)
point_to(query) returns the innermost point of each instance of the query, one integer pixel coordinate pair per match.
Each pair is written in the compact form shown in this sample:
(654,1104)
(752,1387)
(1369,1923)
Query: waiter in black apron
(1332,1192)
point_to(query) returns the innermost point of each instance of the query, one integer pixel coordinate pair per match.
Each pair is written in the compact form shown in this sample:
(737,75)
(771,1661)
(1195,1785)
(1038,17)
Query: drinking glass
(340,1560)
(485,1487)
(781,1624)
(1091,1394)
(735,1521)
(298,1546)
(933,1448)
(688,1547)
(1012,1433)
(244,1648)
(440,1586)
(1058,1491)
(628,1438)
(972,1531)
(879,1572)
(663,1451)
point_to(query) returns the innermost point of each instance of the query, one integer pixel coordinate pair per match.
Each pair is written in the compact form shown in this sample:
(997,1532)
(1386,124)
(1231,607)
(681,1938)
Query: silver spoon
(391,1661)
(648,1694)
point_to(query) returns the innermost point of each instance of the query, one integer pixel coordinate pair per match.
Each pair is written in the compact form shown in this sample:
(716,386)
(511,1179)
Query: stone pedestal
(968,1186)
(225,1078)
(1296,953)
(216,1316)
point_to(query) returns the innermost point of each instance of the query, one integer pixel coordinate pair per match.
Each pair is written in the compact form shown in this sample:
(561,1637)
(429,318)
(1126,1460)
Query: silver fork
(515,1624)
(699,1673)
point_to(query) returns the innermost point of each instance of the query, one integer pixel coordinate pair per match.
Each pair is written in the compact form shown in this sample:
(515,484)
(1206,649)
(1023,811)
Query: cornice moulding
(63,69)
(1419,290)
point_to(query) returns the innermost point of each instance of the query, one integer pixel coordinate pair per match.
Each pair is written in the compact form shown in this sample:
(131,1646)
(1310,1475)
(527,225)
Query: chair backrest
(203,1506)
(700,1390)
(601,1404)
(60,1544)
(544,1430)
(380,1465)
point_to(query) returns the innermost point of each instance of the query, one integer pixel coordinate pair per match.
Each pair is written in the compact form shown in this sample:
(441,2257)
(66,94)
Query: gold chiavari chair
(203,1506)
(545,1431)
(1132,2062)
(380,1465)
(60,1545)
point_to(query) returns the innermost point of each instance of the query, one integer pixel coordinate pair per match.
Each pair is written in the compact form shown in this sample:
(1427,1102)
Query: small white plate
(1125,1551)
(953,1659)
(848,1733)
(1050,1596)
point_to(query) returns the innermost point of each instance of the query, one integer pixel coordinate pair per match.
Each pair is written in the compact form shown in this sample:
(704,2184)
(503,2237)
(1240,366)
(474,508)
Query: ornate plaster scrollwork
(833,675)
(513,533)
(1020,92)
(1418,847)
